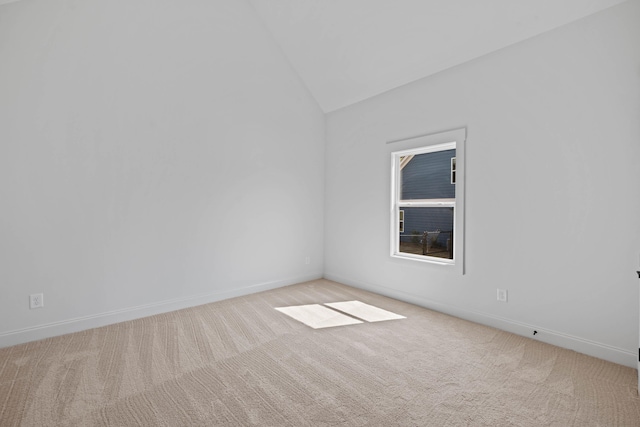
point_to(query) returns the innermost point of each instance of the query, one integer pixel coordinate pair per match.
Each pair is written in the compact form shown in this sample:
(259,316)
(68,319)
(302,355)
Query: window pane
(453,170)
(428,176)
(427,231)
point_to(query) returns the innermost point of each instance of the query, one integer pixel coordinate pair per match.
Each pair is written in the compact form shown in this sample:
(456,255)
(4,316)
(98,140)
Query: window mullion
(427,203)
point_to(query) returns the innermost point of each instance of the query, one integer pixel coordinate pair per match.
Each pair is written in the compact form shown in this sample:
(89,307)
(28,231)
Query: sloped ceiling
(349,50)
(346,51)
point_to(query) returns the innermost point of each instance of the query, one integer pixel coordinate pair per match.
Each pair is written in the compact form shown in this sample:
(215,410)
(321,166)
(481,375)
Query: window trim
(424,144)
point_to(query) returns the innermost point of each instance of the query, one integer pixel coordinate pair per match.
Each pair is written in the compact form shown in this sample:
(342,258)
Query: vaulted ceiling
(346,51)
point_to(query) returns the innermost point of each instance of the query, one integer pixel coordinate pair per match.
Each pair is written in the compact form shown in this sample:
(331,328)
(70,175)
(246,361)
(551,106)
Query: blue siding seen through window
(428,176)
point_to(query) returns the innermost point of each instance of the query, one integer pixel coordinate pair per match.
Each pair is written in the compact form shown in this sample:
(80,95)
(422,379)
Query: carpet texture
(241,362)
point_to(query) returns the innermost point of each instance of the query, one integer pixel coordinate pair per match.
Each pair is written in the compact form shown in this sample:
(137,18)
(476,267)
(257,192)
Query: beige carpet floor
(241,362)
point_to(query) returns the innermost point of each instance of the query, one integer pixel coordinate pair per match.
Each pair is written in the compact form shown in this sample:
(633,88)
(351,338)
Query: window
(427,196)
(453,170)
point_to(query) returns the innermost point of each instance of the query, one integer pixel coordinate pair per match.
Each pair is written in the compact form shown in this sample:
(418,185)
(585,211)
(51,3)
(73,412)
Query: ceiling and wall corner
(348,51)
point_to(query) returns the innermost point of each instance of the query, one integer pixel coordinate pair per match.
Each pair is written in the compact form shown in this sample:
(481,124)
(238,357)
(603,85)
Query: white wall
(153,155)
(552,196)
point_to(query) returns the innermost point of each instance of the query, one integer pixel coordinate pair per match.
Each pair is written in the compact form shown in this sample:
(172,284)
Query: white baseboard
(580,345)
(116,316)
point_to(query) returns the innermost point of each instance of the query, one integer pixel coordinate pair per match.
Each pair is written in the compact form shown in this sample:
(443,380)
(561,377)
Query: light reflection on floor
(332,314)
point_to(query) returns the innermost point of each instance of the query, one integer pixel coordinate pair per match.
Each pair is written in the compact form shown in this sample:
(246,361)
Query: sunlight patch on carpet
(317,316)
(364,311)
(342,313)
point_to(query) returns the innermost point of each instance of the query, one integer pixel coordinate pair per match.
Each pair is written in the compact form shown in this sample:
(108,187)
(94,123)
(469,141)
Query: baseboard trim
(78,324)
(560,339)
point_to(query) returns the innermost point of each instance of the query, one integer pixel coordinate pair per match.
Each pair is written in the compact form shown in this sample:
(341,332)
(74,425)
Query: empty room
(319,213)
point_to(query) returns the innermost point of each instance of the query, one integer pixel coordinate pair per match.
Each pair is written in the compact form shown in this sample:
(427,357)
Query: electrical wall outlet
(502,295)
(307,260)
(36,301)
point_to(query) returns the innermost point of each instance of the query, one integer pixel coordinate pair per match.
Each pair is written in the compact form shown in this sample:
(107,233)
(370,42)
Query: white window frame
(454,139)
(401,221)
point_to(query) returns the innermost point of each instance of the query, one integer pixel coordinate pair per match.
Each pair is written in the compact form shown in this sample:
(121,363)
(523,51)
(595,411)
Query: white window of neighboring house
(453,170)
(427,198)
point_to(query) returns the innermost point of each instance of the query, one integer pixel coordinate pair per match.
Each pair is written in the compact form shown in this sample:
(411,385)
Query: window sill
(425,259)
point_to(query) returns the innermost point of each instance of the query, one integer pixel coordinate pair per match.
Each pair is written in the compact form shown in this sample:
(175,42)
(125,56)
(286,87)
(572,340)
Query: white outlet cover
(36,300)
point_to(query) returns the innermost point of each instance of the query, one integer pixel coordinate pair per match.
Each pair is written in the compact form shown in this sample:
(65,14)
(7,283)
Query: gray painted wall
(122,127)
(552,201)
(143,166)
